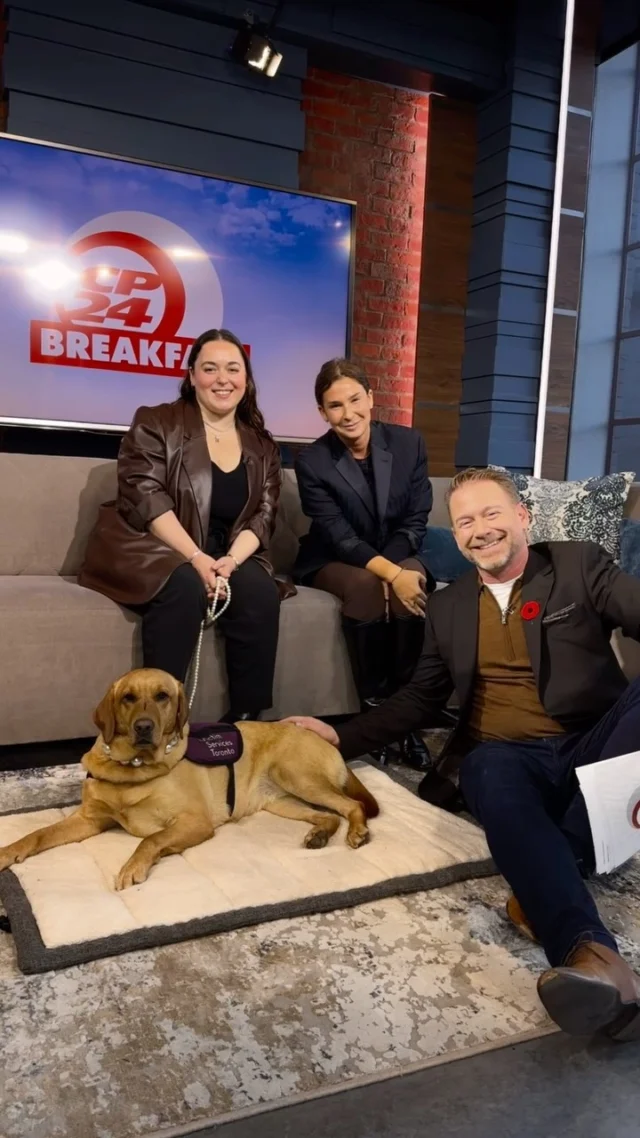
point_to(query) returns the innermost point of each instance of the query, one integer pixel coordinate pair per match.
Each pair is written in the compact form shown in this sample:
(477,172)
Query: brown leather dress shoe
(594,991)
(518,918)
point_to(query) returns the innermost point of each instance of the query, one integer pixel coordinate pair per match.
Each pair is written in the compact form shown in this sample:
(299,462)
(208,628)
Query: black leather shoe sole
(581,1005)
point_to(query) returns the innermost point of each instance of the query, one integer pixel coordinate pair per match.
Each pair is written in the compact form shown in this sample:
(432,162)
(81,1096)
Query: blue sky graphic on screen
(109,269)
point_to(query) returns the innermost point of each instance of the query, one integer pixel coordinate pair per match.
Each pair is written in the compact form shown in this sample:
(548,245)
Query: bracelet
(235,561)
(394,579)
(194,555)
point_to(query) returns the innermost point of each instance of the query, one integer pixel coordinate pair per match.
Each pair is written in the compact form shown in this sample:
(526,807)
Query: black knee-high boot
(367,646)
(407,637)
(368,649)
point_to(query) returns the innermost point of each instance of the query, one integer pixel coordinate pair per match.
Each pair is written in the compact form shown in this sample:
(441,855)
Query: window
(624,429)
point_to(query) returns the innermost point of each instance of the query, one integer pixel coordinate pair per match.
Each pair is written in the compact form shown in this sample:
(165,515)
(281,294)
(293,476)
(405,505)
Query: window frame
(621,335)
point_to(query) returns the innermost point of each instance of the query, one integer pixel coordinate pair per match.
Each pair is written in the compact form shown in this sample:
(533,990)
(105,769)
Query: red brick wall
(368,141)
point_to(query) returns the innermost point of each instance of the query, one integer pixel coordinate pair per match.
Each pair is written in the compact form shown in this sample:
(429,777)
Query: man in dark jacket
(526,643)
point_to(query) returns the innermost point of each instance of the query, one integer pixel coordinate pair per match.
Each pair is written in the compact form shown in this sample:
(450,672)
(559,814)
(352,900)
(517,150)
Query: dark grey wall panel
(501,389)
(116,46)
(506,302)
(439,41)
(510,247)
(144,26)
(502,354)
(73,125)
(432,37)
(55,71)
(122,78)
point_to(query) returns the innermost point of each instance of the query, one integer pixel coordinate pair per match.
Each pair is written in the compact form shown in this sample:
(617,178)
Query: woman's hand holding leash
(225,566)
(207,569)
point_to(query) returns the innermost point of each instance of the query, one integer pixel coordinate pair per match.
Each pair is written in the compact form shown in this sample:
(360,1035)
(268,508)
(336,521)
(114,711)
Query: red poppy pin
(530,610)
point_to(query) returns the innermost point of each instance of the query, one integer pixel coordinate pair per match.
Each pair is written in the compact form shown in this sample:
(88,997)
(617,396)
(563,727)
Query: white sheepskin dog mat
(63,908)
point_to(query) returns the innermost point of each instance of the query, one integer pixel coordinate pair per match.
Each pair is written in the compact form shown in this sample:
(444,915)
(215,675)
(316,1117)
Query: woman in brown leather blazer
(198,487)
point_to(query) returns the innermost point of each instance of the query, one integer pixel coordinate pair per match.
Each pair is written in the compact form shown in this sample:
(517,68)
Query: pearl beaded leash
(212,614)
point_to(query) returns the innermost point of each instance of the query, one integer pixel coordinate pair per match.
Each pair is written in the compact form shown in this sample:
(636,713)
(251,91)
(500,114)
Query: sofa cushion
(48,505)
(68,644)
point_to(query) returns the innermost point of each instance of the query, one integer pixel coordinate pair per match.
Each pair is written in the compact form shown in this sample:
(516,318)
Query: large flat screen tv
(110,268)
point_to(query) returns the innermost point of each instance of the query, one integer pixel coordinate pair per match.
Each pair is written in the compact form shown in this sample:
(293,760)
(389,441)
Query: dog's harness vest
(215,745)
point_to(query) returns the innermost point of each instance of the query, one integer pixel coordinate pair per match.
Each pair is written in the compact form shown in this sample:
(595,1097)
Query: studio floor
(413,1015)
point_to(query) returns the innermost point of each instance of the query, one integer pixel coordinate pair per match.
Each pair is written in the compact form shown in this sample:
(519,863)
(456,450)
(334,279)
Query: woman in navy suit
(364,485)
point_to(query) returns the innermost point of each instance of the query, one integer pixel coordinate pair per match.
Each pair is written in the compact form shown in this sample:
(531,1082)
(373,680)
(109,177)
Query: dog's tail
(355,789)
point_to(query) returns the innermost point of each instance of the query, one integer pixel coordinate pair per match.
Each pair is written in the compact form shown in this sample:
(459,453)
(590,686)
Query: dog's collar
(136,762)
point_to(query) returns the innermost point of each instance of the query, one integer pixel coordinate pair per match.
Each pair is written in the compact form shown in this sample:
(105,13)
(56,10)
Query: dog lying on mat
(141,780)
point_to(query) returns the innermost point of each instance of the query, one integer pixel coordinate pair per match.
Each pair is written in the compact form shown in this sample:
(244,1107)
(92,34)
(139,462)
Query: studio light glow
(14,244)
(52,276)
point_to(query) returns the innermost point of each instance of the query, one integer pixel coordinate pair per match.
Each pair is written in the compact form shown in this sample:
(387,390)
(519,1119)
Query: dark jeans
(171,625)
(527,798)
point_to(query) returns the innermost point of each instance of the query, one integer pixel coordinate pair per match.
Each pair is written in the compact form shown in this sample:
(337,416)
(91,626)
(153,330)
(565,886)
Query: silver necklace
(217,432)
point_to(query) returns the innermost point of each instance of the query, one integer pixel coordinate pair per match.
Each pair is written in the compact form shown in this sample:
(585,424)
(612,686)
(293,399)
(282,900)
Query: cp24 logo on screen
(140,290)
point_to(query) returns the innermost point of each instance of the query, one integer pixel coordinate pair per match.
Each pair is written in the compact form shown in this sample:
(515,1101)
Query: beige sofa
(63,645)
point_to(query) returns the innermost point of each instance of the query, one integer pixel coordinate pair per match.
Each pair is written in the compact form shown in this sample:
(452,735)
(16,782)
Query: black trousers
(171,625)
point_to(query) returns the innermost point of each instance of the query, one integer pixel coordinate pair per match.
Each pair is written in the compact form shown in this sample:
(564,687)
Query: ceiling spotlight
(254,49)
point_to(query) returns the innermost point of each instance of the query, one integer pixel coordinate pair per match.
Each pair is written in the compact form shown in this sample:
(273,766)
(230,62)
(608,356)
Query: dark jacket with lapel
(164,464)
(347,523)
(583,597)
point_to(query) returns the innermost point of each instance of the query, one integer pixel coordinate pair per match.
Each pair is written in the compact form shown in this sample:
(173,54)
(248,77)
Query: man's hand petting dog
(316,725)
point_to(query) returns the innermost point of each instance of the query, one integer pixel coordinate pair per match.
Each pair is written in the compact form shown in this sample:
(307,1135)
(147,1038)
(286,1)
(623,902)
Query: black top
(229,493)
(366,467)
(359,509)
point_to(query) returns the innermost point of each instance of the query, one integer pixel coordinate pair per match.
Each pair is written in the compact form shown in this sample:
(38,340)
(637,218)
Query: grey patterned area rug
(166,1040)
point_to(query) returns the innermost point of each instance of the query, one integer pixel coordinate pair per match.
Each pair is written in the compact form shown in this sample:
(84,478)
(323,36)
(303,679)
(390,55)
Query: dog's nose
(143,726)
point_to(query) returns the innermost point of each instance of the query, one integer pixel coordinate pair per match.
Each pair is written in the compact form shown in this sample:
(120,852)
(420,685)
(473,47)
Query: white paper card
(611,791)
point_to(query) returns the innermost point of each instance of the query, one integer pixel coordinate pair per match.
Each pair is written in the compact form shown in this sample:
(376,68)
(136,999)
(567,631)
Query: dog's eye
(161,697)
(129,697)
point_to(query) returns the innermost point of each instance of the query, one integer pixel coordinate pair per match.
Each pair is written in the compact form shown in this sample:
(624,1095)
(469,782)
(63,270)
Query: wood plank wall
(448,219)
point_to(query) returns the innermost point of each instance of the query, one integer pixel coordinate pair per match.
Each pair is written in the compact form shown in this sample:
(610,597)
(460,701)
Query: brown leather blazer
(164,464)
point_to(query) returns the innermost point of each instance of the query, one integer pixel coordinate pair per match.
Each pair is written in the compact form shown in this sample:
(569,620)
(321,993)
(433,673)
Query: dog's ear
(104,716)
(182,710)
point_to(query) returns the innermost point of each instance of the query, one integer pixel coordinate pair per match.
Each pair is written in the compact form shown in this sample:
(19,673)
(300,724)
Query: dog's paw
(133,873)
(8,856)
(316,839)
(357,838)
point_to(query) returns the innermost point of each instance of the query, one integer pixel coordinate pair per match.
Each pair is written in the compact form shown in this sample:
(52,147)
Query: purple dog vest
(216,745)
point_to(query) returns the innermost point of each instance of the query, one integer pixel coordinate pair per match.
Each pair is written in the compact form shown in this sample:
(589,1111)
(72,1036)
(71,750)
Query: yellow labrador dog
(140,780)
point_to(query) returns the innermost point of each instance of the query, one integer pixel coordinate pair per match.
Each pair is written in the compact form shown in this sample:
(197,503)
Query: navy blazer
(348,522)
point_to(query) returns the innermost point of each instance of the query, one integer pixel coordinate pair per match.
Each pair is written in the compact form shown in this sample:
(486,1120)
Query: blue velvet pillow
(444,559)
(630,546)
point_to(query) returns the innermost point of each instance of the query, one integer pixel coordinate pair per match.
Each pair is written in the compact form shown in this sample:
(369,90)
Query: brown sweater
(505,702)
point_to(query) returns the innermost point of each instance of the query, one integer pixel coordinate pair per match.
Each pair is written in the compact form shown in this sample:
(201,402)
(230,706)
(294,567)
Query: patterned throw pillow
(590,510)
